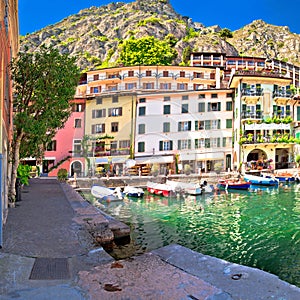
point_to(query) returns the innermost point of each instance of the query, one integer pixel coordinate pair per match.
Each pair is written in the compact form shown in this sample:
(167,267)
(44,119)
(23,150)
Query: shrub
(62,175)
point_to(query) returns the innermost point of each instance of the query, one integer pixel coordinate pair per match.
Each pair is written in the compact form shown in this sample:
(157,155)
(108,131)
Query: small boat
(105,193)
(261,180)
(161,189)
(233,184)
(285,177)
(206,189)
(190,188)
(132,191)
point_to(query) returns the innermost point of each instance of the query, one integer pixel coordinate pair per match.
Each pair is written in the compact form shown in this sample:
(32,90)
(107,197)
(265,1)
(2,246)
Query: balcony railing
(282,94)
(251,115)
(252,92)
(276,138)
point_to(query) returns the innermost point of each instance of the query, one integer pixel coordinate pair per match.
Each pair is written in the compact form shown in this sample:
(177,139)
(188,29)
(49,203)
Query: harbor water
(258,228)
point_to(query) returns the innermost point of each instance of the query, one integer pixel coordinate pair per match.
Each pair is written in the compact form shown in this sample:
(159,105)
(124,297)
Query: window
(215,142)
(114,127)
(207,124)
(115,99)
(149,73)
(98,128)
(215,124)
(95,89)
(96,77)
(199,143)
(148,86)
(51,146)
(182,86)
(142,111)
(214,106)
(207,143)
(229,95)
(185,97)
(78,107)
(166,127)
(98,100)
(130,86)
(184,108)
(184,144)
(141,128)
(228,123)
(98,113)
(165,86)
(124,144)
(165,73)
(130,73)
(201,107)
(141,147)
(229,106)
(77,123)
(142,100)
(167,109)
(214,96)
(182,74)
(184,126)
(167,98)
(77,148)
(115,112)
(113,145)
(199,125)
(201,96)
(165,145)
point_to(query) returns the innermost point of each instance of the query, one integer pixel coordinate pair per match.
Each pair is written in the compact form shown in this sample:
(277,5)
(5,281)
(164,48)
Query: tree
(225,33)
(147,51)
(43,82)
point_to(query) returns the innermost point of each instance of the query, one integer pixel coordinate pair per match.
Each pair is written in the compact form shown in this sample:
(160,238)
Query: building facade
(9,45)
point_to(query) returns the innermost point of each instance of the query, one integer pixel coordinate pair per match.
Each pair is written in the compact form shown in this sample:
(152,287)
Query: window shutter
(160,145)
(208,106)
(189,144)
(298,113)
(218,142)
(196,125)
(219,124)
(244,107)
(179,145)
(219,106)
(189,125)
(196,143)
(171,145)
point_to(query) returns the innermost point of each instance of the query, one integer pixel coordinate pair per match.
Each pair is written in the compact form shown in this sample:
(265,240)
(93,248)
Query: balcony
(257,115)
(285,138)
(252,95)
(281,97)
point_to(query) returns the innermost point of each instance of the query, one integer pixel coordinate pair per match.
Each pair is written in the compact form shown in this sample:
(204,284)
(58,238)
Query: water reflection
(259,228)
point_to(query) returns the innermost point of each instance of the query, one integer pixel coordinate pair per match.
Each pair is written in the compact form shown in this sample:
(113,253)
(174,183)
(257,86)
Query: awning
(101,160)
(203,156)
(119,160)
(155,160)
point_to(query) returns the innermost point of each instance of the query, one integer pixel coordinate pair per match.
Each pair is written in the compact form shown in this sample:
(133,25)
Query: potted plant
(62,174)
(155,169)
(187,169)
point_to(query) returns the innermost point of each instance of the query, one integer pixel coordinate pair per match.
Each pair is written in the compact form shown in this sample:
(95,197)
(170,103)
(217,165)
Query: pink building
(65,151)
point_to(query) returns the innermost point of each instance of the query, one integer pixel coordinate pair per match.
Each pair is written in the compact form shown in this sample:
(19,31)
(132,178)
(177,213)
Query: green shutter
(196,143)
(171,145)
(208,106)
(179,145)
(160,145)
(244,107)
(219,124)
(189,144)
(218,142)
(196,125)
(298,113)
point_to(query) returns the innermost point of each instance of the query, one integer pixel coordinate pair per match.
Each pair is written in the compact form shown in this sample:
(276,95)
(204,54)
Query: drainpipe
(1,200)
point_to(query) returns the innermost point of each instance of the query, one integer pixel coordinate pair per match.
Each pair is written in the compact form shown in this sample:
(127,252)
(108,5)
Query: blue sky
(232,14)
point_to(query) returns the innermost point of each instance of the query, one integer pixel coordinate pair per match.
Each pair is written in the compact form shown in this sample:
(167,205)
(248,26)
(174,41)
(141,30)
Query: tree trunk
(15,163)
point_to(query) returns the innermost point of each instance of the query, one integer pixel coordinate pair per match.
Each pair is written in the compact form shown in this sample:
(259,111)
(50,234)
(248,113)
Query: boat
(132,191)
(190,188)
(285,177)
(261,179)
(161,189)
(206,189)
(233,184)
(105,193)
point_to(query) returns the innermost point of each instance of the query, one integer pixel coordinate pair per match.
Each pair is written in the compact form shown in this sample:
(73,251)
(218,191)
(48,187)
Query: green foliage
(225,33)
(62,174)
(44,82)
(146,51)
(151,21)
(190,33)
(23,173)
(186,54)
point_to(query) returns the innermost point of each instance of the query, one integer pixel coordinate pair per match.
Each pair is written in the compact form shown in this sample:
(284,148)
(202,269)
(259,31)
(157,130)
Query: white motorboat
(104,193)
(132,191)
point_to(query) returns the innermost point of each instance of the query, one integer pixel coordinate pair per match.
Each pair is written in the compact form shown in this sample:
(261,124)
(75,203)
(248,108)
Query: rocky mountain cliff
(94,34)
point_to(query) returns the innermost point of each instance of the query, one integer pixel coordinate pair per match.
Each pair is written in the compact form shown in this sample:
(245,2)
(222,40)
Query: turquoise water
(260,228)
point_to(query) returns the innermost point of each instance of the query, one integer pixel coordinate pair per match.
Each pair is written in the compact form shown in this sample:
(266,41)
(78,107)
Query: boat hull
(234,185)
(260,180)
(160,189)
